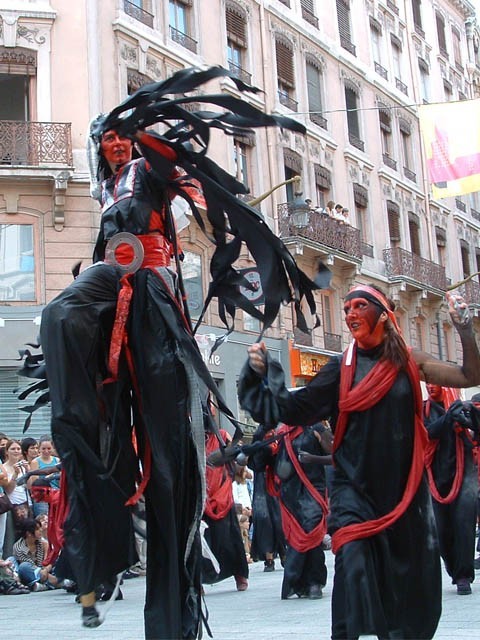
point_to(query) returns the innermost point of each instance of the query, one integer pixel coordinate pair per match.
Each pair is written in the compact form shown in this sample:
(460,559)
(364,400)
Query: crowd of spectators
(24,527)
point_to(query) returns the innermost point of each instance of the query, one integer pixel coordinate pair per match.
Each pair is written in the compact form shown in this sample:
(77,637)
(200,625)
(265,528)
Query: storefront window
(17,263)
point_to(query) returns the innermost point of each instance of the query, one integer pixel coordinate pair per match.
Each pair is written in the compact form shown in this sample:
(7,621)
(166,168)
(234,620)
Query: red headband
(380,298)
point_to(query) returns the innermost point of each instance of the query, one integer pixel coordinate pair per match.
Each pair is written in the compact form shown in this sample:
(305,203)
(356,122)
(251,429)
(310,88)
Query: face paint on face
(362,318)
(435,392)
(116,150)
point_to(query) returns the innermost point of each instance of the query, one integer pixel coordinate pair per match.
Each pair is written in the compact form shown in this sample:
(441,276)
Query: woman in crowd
(387,566)
(15,467)
(29,450)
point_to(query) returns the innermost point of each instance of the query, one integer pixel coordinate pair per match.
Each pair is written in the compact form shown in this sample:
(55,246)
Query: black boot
(269,565)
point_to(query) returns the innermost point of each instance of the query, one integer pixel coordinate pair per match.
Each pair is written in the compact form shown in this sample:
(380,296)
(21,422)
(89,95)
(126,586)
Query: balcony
(35,144)
(471,292)
(408,173)
(402,265)
(401,86)
(347,45)
(475,214)
(183,39)
(321,230)
(393,7)
(461,206)
(240,73)
(319,120)
(287,101)
(332,342)
(390,162)
(138,13)
(356,142)
(381,70)
(309,17)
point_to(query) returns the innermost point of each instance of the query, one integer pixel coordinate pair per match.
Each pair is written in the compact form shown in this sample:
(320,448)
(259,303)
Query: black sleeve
(270,402)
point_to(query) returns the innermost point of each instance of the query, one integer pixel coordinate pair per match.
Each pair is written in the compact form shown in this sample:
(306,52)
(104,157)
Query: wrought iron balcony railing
(356,142)
(308,16)
(391,5)
(404,265)
(390,162)
(471,292)
(475,214)
(319,228)
(319,120)
(401,86)
(240,73)
(461,206)
(183,39)
(138,13)
(287,101)
(348,46)
(381,70)
(332,342)
(408,173)
(35,144)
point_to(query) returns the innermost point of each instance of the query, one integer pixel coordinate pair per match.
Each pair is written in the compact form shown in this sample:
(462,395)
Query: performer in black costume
(300,487)
(387,566)
(453,481)
(223,534)
(268,539)
(119,347)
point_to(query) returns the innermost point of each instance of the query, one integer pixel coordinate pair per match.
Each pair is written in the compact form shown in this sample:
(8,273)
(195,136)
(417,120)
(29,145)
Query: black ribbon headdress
(187,135)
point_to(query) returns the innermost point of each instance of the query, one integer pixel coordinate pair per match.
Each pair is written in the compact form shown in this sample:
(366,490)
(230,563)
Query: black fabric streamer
(233,221)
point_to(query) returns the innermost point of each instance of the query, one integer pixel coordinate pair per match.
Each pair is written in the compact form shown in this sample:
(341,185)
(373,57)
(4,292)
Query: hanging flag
(451,136)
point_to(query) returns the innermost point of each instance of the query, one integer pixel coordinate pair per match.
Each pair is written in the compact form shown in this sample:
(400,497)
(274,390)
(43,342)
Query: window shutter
(236,26)
(414,236)
(352,115)
(285,71)
(442,43)
(343,17)
(393,212)
(404,126)
(307,5)
(292,160)
(385,119)
(314,88)
(360,195)
(323,177)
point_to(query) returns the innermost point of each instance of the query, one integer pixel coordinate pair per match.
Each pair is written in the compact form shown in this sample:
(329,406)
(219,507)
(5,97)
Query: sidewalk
(257,613)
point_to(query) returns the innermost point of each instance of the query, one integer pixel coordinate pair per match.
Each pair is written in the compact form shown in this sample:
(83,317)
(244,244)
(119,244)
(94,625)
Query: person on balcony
(387,566)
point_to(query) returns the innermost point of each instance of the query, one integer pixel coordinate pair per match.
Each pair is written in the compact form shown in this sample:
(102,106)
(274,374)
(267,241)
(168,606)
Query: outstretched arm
(448,374)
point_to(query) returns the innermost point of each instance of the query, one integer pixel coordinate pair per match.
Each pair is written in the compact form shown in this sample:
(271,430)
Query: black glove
(460,413)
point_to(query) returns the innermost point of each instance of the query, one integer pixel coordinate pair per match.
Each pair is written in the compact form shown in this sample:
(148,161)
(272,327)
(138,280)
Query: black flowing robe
(92,421)
(387,585)
(456,521)
(267,534)
(301,570)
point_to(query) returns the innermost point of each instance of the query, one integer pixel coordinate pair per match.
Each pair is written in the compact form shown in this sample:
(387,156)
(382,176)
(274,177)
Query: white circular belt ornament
(132,241)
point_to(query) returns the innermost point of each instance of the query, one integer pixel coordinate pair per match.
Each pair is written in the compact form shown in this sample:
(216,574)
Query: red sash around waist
(158,251)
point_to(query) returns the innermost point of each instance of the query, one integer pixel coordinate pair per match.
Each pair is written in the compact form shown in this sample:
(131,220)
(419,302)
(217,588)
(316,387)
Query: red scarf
(219,483)
(374,386)
(297,537)
(449,396)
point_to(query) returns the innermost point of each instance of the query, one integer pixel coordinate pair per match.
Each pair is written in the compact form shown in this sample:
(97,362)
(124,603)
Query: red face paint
(363,320)
(116,150)
(435,392)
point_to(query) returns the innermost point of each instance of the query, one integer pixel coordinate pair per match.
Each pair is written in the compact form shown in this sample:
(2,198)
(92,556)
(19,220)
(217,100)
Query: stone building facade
(353,71)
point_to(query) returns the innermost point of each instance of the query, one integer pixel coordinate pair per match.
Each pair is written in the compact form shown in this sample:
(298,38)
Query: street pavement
(255,614)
